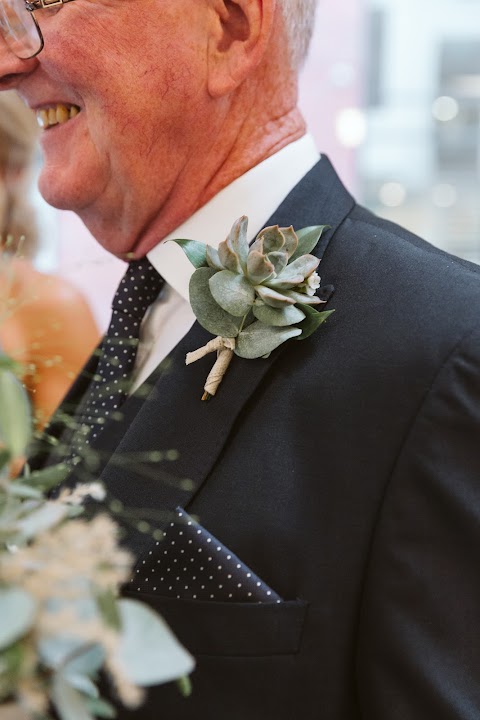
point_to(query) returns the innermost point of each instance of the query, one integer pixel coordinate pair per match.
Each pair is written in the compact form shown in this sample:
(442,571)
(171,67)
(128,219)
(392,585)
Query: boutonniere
(254,298)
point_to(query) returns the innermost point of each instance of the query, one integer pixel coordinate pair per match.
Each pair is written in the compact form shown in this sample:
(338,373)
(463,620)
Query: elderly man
(334,569)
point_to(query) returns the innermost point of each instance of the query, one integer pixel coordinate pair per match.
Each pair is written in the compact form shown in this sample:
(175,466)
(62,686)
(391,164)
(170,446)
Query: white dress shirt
(256,194)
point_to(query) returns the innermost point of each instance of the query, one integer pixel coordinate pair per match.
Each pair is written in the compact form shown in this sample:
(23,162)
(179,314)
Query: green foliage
(278,317)
(313,320)
(232,292)
(195,251)
(17,613)
(15,416)
(308,239)
(148,650)
(259,339)
(207,311)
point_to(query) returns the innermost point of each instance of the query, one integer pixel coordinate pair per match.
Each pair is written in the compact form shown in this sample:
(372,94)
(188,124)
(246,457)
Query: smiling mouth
(56,115)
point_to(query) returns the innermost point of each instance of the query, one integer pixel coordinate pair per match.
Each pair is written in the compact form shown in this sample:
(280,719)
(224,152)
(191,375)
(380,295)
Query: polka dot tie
(139,287)
(191,564)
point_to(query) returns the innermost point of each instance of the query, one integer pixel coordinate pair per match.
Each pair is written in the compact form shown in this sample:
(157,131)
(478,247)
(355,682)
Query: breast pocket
(230,628)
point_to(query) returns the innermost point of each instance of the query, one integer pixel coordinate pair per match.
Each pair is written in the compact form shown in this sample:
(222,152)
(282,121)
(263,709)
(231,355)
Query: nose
(12,68)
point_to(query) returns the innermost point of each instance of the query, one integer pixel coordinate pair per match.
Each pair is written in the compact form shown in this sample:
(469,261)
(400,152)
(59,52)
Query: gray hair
(299,17)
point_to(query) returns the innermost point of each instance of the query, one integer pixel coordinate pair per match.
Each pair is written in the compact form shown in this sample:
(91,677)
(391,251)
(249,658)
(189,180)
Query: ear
(240,33)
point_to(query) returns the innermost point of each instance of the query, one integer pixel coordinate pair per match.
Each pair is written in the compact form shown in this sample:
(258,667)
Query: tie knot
(138,289)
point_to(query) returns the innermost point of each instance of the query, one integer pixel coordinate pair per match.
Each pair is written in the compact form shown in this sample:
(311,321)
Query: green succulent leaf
(17,611)
(15,417)
(279,260)
(297,297)
(259,339)
(313,320)
(148,650)
(229,258)
(194,250)
(271,239)
(291,240)
(232,292)
(213,260)
(207,311)
(238,242)
(272,297)
(308,238)
(296,272)
(278,317)
(259,268)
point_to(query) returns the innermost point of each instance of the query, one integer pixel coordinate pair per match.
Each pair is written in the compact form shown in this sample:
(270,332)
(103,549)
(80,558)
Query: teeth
(56,115)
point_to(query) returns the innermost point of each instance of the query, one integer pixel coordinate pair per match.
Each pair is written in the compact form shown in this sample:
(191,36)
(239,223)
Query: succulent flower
(260,295)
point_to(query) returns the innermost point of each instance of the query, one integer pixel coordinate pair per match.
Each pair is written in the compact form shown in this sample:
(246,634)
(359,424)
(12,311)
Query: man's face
(136,69)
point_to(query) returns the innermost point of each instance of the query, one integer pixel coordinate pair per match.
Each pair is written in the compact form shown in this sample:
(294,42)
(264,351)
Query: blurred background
(391,92)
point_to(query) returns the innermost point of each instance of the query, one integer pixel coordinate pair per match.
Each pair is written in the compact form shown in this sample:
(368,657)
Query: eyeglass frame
(32,6)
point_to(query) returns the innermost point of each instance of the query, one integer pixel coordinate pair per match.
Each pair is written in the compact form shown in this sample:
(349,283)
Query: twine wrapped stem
(224,348)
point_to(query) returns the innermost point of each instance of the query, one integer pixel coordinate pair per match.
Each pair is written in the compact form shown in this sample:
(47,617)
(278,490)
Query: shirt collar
(256,194)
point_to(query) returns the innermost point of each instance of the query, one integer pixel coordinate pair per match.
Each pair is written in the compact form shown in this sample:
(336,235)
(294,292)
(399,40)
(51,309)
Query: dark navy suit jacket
(345,471)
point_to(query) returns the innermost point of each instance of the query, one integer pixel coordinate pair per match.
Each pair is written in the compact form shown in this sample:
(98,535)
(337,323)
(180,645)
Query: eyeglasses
(19,27)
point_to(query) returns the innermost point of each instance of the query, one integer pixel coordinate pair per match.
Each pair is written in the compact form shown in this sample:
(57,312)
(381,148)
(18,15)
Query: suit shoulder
(401,241)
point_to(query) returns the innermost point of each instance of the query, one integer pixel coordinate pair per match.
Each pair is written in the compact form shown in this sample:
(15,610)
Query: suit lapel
(167,443)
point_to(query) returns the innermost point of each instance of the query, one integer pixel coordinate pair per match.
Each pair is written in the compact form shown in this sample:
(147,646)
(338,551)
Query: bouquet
(61,618)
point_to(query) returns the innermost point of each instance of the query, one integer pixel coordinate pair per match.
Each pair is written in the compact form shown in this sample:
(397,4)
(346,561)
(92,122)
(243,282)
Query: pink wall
(331,81)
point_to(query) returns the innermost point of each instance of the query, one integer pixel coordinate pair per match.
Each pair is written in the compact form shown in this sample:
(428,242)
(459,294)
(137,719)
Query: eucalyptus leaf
(83,684)
(195,251)
(15,416)
(208,313)
(278,317)
(49,477)
(313,320)
(21,490)
(47,516)
(87,662)
(68,702)
(61,651)
(232,292)
(100,708)
(108,607)
(308,238)
(5,457)
(17,613)
(259,339)
(148,651)
(12,665)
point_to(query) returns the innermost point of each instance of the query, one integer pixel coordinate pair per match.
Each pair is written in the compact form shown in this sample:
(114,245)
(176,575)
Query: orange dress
(47,326)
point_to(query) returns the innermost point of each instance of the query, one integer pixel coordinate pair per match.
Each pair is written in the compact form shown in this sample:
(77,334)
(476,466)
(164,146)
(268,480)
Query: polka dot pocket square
(191,564)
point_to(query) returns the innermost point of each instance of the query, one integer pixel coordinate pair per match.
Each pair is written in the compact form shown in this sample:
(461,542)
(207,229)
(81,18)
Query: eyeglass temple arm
(32,5)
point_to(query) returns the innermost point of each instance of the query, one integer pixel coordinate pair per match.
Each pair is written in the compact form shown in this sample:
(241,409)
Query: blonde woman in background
(45,323)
